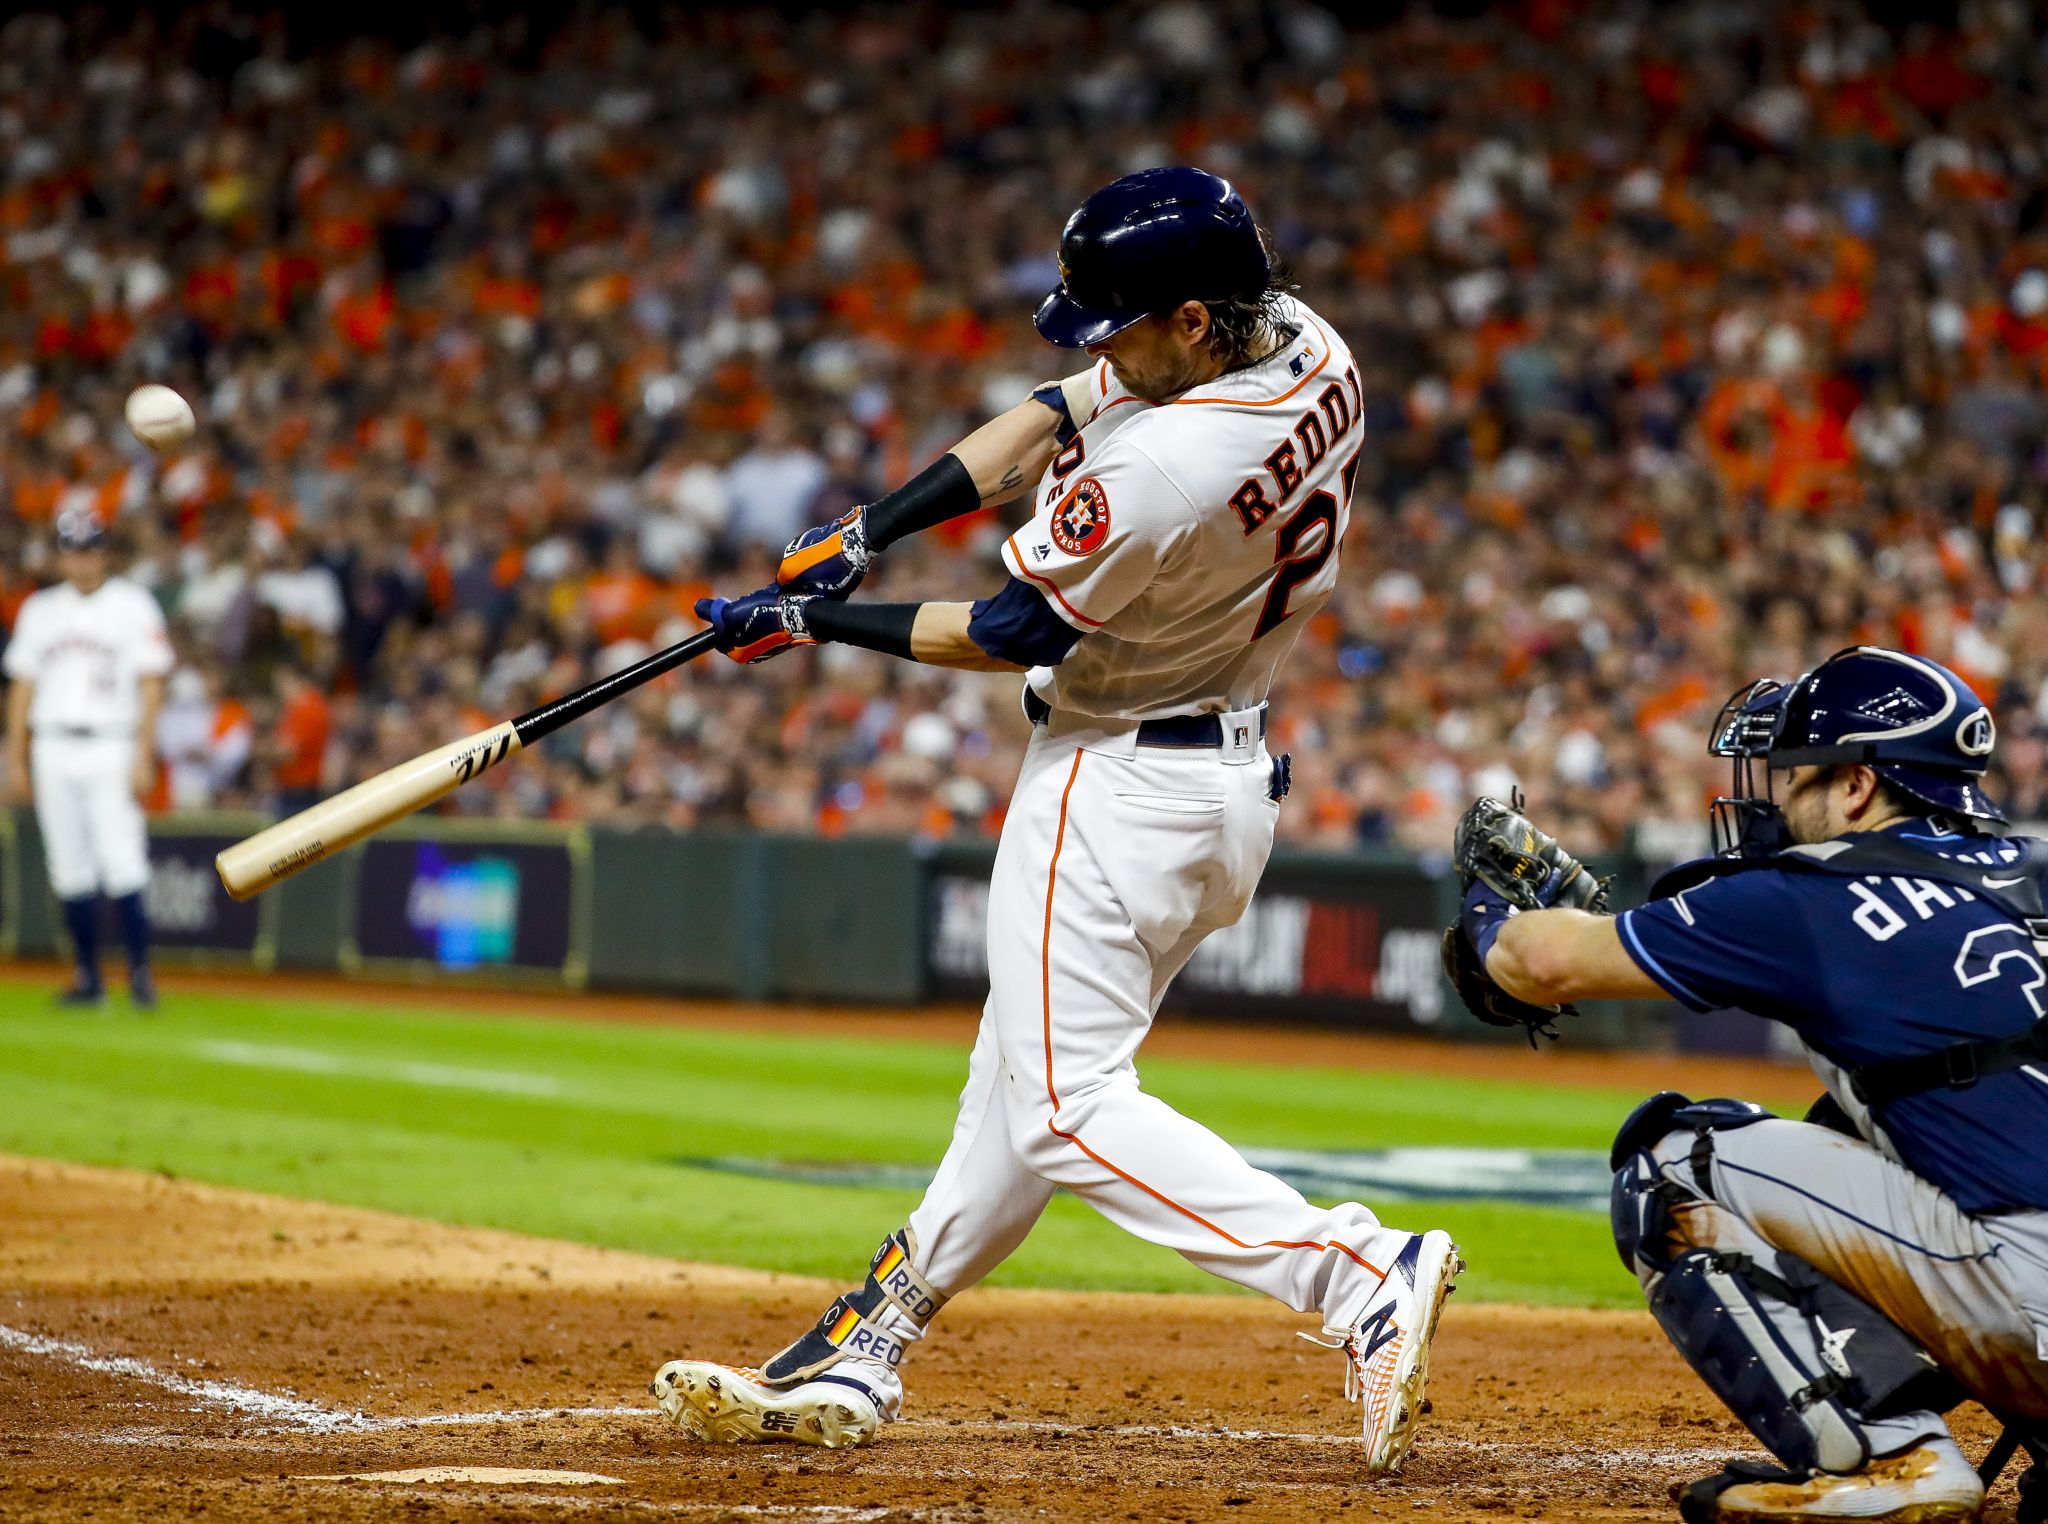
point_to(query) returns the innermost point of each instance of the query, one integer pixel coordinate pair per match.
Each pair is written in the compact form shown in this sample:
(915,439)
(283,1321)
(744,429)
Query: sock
(134,930)
(82,920)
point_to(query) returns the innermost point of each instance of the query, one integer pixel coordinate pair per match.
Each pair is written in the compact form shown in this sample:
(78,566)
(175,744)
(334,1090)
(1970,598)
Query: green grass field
(568,1129)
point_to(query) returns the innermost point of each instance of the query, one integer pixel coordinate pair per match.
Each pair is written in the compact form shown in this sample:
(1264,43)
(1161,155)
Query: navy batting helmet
(80,529)
(1146,242)
(1910,720)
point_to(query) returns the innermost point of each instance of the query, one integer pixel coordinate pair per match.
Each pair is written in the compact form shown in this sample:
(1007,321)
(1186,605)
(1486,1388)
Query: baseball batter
(86,663)
(1839,1282)
(1192,489)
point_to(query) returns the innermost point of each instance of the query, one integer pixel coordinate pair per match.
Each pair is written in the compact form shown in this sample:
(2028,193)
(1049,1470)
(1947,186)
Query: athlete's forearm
(16,783)
(1551,957)
(1010,452)
(18,695)
(939,638)
(932,633)
(149,697)
(991,465)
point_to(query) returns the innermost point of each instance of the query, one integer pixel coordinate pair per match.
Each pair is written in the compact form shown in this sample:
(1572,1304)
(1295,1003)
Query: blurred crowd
(1698,339)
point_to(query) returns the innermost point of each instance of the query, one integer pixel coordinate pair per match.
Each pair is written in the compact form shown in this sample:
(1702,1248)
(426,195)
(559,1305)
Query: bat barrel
(249,867)
(299,841)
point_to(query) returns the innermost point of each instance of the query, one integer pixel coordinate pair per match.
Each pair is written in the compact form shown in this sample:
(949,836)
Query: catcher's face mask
(1747,821)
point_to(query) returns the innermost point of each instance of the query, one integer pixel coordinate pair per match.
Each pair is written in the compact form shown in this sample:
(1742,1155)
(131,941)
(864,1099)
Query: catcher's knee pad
(852,1327)
(1644,1195)
(1667,1112)
(1803,1363)
(1640,1209)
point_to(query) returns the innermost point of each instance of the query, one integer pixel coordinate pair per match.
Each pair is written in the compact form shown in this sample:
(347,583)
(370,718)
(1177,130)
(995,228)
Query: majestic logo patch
(1080,525)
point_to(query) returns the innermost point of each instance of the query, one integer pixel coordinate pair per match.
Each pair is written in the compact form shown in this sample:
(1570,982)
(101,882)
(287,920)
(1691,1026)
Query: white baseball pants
(1111,870)
(94,839)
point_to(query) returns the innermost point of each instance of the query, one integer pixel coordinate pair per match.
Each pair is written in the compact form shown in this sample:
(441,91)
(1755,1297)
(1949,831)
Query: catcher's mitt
(1499,846)
(1502,848)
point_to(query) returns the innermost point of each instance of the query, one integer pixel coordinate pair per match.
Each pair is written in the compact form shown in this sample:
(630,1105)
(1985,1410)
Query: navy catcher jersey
(1871,967)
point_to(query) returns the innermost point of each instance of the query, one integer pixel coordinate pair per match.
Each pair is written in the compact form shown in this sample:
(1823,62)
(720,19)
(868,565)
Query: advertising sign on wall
(484,905)
(188,909)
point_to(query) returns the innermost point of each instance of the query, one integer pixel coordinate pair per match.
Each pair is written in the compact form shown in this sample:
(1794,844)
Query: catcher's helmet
(1912,721)
(1145,242)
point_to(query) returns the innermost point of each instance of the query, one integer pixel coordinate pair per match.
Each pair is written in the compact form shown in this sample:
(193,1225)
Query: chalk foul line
(275,1407)
(305,1417)
(309,1416)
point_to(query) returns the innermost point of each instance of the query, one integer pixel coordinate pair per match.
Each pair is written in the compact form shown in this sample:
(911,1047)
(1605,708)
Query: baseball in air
(160,418)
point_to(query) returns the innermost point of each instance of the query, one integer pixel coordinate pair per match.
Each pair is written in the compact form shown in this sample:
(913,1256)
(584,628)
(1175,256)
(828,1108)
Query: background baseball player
(86,662)
(1192,491)
(1838,1282)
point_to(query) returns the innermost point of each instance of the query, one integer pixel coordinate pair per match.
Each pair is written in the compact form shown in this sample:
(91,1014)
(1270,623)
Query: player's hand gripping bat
(249,867)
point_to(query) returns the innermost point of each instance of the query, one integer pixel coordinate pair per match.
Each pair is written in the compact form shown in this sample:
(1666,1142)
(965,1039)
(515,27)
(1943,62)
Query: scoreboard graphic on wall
(1357,949)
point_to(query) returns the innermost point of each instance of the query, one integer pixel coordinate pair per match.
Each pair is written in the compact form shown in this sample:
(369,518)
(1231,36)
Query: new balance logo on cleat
(1375,1331)
(778,1423)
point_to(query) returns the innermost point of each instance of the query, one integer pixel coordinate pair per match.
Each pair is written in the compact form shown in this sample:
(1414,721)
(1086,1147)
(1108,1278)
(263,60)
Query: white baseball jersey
(1189,541)
(85,653)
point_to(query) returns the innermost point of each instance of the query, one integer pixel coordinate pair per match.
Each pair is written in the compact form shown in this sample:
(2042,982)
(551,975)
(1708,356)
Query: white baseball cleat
(1928,1484)
(728,1405)
(1386,1348)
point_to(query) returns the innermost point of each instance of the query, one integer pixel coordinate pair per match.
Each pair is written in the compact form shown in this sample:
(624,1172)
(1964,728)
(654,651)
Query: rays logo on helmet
(1897,707)
(1977,734)
(1080,525)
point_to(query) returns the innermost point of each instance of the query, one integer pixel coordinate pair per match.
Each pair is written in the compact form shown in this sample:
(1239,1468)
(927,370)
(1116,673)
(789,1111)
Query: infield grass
(569,1129)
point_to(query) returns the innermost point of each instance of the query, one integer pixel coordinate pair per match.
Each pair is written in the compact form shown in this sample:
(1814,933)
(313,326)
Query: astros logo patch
(1081,523)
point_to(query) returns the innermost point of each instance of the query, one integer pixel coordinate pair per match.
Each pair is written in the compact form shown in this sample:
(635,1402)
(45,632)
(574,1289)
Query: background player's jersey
(1191,541)
(1868,968)
(85,653)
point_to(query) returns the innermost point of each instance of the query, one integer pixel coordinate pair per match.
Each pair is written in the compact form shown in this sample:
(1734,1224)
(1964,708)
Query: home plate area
(174,1349)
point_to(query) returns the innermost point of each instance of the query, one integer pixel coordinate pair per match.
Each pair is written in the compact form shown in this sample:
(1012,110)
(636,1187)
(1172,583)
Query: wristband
(883,627)
(1483,915)
(942,490)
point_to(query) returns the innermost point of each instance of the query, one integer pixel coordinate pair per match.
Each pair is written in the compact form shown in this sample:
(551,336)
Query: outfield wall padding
(1338,939)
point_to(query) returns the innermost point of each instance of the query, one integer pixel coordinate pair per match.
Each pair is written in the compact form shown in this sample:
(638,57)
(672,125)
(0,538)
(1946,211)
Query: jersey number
(1299,553)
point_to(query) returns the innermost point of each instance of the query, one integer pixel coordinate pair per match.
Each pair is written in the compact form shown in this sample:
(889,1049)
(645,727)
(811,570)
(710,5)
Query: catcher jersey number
(1299,553)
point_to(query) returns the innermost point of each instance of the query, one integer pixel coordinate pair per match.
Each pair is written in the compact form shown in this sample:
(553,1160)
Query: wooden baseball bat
(277,852)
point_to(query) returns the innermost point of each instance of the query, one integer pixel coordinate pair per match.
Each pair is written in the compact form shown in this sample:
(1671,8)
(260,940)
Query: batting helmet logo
(1081,523)
(1977,735)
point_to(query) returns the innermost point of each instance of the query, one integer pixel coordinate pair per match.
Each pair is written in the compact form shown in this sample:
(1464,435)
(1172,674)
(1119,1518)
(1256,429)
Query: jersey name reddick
(1318,431)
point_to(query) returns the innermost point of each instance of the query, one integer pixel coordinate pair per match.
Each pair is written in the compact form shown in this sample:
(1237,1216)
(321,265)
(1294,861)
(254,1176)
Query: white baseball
(160,418)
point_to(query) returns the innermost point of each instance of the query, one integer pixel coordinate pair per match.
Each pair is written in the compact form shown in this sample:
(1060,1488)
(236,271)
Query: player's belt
(1176,730)
(83,733)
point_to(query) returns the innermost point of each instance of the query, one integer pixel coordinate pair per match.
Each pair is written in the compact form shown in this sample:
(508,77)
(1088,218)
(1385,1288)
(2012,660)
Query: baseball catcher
(1838,1282)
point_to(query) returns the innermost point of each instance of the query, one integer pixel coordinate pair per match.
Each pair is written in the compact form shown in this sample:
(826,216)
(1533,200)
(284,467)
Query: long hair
(1243,328)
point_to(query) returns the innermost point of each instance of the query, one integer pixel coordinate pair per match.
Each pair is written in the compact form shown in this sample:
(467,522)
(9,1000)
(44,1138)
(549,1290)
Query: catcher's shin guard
(1805,1364)
(852,1327)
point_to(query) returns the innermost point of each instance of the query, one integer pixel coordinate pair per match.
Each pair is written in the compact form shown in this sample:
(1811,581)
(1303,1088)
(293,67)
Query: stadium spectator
(1696,341)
